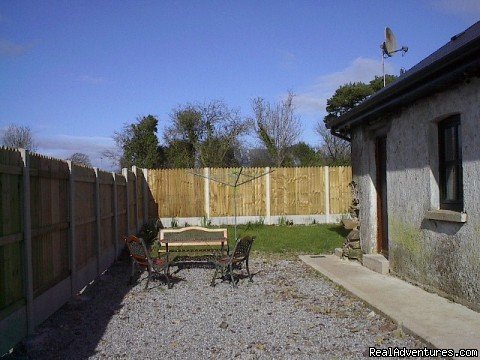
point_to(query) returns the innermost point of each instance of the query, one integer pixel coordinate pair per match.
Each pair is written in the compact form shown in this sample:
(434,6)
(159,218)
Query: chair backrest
(138,250)
(242,248)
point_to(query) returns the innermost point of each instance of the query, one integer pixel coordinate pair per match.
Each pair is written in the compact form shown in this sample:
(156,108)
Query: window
(450,164)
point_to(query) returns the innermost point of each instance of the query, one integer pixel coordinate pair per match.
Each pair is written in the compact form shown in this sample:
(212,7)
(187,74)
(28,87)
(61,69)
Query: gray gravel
(288,312)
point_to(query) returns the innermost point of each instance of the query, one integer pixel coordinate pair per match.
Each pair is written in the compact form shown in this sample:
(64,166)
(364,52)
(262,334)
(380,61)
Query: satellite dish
(390,43)
(389,48)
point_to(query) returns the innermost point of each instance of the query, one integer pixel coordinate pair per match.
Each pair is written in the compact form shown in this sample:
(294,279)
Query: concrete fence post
(206,190)
(71,228)
(27,240)
(125,175)
(326,180)
(137,220)
(145,195)
(115,215)
(98,218)
(268,218)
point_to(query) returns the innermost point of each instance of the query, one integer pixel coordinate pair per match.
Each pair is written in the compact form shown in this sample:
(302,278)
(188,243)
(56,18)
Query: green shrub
(149,231)
(174,222)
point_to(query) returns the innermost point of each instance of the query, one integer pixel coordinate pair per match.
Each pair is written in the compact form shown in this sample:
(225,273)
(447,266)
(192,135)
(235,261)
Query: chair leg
(231,275)
(214,276)
(130,281)
(248,271)
(169,285)
(148,278)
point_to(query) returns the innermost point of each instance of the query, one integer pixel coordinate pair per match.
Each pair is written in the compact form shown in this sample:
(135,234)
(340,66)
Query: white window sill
(446,215)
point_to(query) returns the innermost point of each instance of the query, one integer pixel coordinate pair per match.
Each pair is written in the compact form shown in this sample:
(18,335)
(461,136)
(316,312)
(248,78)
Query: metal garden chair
(141,257)
(226,263)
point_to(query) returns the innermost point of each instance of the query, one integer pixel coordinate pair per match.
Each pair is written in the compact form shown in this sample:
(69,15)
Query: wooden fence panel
(178,193)
(308,197)
(49,217)
(293,191)
(11,232)
(121,208)
(85,238)
(280,187)
(139,184)
(132,206)
(250,196)
(340,194)
(106,211)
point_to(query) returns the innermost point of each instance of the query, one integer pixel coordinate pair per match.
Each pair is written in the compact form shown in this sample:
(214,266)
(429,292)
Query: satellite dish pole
(389,48)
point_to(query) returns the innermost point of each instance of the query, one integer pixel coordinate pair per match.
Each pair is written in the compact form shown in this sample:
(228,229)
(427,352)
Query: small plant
(186,224)
(149,231)
(174,222)
(283,221)
(206,222)
(260,221)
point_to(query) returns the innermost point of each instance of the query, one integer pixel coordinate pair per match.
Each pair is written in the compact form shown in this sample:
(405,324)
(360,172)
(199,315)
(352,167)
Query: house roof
(456,60)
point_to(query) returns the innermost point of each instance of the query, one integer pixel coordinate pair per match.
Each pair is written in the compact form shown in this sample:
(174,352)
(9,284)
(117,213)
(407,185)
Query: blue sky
(76,71)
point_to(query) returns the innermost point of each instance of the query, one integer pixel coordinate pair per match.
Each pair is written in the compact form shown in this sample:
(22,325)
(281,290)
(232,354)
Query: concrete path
(438,321)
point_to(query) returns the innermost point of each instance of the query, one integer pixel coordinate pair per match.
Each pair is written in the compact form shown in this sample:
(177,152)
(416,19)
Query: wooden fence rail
(60,227)
(302,193)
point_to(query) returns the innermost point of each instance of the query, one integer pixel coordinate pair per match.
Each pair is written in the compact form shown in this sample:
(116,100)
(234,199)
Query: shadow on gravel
(83,319)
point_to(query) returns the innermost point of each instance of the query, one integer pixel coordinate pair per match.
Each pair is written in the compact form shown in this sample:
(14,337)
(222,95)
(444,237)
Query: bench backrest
(193,234)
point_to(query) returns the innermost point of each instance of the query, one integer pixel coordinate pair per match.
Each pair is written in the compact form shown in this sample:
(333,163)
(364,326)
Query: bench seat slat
(196,243)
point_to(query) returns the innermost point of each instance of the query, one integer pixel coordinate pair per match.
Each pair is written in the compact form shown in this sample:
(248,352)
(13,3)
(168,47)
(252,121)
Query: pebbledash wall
(443,256)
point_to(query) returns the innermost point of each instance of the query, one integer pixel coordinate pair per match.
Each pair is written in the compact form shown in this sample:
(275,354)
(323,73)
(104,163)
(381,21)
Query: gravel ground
(288,312)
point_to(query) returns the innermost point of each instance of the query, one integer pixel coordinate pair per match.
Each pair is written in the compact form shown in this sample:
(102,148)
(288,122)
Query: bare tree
(206,135)
(114,157)
(80,159)
(334,151)
(17,136)
(276,126)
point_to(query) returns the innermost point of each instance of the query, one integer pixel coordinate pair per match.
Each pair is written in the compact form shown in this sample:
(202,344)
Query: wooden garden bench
(193,241)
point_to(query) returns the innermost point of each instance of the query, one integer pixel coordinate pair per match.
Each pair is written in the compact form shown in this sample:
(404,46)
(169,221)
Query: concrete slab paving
(439,322)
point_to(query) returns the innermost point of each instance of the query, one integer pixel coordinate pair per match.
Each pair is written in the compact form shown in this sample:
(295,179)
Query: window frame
(443,164)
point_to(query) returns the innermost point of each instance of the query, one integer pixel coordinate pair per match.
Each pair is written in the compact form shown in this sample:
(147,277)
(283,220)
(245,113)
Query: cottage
(416,161)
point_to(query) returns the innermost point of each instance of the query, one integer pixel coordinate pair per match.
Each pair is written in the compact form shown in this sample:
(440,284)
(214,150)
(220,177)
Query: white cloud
(8,48)
(314,100)
(63,146)
(95,80)
(465,8)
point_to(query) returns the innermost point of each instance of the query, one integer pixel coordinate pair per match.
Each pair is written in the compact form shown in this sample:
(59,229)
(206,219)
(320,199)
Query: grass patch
(297,239)
(307,239)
